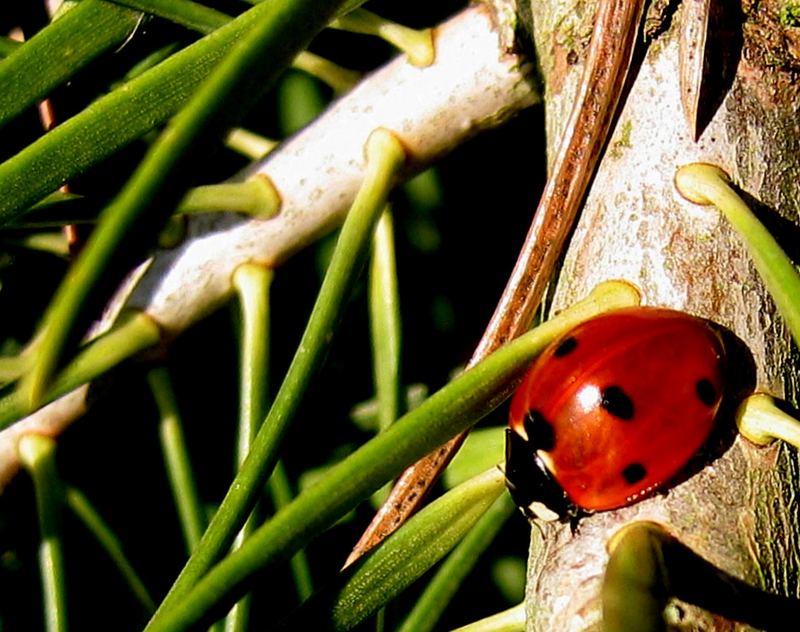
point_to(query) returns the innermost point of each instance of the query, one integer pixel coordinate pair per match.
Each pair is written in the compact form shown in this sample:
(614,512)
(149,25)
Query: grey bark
(740,511)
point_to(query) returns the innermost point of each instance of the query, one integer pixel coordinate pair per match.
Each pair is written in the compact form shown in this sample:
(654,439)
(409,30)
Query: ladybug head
(531,485)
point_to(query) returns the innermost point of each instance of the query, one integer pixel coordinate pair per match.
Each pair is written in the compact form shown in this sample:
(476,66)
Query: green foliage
(790,14)
(125,79)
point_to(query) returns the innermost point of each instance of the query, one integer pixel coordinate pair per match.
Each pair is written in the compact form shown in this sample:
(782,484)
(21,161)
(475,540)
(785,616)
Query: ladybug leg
(574,523)
(575,519)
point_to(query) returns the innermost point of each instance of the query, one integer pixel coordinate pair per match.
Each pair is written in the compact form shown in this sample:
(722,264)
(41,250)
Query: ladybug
(612,411)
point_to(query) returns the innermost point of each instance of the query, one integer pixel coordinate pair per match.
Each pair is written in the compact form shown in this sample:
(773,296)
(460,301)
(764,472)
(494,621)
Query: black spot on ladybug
(706,392)
(540,431)
(634,473)
(617,402)
(566,347)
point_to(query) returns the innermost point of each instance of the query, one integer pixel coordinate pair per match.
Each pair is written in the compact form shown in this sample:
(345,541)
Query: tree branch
(475,83)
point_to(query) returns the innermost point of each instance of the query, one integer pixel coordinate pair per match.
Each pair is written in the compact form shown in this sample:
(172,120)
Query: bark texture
(740,510)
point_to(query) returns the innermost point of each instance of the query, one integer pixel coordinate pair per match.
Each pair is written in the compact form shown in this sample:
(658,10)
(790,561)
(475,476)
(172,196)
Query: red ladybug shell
(618,406)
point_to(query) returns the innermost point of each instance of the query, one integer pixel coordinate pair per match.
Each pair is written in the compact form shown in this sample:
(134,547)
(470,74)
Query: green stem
(417,44)
(255,197)
(13,367)
(252,283)
(449,577)
(707,184)
(146,63)
(482,448)
(107,539)
(281,492)
(132,333)
(124,115)
(141,209)
(58,51)
(249,144)
(8,46)
(453,409)
(338,78)
(647,567)
(385,331)
(206,20)
(54,243)
(176,458)
(384,157)
(511,620)
(401,559)
(37,455)
(192,15)
(761,421)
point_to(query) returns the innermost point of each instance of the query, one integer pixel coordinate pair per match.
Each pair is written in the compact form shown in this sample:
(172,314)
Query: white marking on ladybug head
(543,512)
